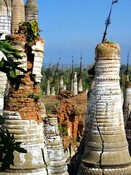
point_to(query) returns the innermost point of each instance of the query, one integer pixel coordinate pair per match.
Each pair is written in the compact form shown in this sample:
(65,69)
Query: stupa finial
(108,20)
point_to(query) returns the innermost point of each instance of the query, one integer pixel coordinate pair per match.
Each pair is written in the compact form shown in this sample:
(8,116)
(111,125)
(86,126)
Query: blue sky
(71,26)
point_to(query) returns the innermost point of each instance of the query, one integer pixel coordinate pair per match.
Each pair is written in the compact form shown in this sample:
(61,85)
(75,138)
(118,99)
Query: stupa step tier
(30,133)
(5,17)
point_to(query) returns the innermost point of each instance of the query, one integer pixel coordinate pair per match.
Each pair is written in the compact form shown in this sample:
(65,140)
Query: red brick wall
(19,100)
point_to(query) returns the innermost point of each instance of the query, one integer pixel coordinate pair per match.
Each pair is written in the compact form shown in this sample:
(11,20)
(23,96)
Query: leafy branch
(34,96)
(30,30)
(7,147)
(9,66)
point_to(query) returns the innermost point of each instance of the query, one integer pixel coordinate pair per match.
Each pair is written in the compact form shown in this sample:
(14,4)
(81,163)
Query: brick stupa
(22,111)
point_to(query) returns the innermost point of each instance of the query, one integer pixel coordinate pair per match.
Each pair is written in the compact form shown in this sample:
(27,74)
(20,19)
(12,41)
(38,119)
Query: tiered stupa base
(85,170)
(30,133)
(25,172)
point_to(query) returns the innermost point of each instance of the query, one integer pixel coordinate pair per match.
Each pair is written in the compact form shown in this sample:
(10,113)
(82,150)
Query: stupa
(55,148)
(5,17)
(31,10)
(22,110)
(106,148)
(80,86)
(18,14)
(127,97)
(75,87)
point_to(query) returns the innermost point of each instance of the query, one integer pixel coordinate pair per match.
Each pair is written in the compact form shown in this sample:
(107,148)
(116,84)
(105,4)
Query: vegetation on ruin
(63,130)
(52,106)
(34,97)
(30,31)
(107,42)
(9,66)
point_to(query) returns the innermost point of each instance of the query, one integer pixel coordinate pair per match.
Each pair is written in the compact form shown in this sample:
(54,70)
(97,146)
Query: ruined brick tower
(22,111)
(106,149)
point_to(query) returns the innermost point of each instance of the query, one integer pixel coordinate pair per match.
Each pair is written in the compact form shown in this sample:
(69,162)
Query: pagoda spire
(106,148)
(80,88)
(31,10)
(56,70)
(72,77)
(108,21)
(18,14)
(80,73)
(127,69)
(72,73)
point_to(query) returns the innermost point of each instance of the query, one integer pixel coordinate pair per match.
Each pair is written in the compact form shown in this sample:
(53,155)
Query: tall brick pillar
(106,149)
